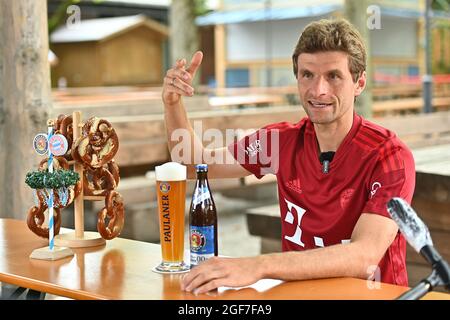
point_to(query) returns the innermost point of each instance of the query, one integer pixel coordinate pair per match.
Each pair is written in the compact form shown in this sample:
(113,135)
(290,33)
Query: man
(336,172)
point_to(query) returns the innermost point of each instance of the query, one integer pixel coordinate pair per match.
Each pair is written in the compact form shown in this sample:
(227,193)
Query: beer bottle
(202,219)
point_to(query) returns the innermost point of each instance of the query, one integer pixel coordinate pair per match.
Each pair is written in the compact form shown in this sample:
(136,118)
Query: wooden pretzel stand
(80,238)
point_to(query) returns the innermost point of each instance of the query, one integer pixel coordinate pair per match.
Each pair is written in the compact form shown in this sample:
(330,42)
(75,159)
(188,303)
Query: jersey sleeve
(393,176)
(259,151)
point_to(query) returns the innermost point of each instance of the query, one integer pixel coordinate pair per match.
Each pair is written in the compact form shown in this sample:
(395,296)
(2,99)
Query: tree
(184,40)
(183,30)
(355,12)
(24,97)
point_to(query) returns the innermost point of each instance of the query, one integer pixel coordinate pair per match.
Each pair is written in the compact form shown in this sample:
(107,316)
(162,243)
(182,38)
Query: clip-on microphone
(418,236)
(325,159)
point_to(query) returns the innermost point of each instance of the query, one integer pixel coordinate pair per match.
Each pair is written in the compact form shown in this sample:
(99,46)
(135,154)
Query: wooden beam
(420,33)
(220,54)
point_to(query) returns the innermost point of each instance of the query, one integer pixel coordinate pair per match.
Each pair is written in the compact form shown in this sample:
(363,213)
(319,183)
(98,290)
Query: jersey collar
(343,147)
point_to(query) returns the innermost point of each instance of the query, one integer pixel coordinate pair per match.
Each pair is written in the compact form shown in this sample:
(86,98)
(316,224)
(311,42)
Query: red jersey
(321,209)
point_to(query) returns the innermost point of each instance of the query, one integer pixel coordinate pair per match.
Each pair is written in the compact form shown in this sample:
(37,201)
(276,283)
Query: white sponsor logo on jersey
(375,186)
(296,238)
(253,148)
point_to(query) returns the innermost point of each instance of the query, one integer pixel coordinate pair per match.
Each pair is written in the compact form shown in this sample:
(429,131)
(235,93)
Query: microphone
(418,236)
(325,159)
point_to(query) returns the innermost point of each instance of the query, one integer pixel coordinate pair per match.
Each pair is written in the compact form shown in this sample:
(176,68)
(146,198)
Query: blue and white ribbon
(50,192)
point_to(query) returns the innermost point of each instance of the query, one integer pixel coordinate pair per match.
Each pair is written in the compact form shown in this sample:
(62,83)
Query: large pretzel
(114,211)
(97,145)
(97,182)
(36,218)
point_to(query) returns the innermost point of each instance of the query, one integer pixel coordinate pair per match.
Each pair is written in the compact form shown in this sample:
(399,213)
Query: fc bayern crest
(58,145)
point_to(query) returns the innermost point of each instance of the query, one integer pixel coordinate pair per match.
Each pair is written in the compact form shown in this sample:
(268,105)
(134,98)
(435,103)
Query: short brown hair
(333,35)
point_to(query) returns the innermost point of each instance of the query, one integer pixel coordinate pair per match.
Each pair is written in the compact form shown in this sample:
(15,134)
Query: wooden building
(109,52)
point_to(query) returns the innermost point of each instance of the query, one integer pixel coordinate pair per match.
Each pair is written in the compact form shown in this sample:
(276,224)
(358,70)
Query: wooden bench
(392,91)
(428,135)
(419,130)
(415,105)
(128,105)
(242,101)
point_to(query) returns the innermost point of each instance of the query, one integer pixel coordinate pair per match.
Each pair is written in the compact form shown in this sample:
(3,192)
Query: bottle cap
(201,167)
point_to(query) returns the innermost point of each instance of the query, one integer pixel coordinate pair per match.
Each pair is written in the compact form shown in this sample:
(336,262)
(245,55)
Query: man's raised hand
(178,79)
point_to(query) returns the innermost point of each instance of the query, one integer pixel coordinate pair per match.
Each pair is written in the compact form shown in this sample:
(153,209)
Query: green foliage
(200,7)
(443,5)
(60,13)
(54,180)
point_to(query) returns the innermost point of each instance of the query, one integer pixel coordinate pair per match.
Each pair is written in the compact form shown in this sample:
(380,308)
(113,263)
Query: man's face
(326,87)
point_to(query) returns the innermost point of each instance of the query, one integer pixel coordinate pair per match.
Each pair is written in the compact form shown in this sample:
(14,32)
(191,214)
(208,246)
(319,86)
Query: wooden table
(121,269)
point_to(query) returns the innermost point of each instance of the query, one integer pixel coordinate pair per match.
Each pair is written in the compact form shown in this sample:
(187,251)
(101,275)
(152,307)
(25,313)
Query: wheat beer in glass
(171,194)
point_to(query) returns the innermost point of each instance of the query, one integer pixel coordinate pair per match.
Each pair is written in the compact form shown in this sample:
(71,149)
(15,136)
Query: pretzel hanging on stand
(97,182)
(95,150)
(97,145)
(36,218)
(113,211)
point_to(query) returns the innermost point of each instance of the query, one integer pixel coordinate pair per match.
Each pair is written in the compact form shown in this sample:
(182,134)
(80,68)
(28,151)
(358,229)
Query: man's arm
(371,237)
(178,83)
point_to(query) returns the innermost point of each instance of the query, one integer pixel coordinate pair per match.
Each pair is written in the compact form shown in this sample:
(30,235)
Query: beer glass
(171,194)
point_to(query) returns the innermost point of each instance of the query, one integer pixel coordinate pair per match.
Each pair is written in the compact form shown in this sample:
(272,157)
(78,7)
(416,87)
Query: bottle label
(200,195)
(202,244)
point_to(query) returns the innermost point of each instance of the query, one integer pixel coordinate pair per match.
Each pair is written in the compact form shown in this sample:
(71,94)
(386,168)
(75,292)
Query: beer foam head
(170,171)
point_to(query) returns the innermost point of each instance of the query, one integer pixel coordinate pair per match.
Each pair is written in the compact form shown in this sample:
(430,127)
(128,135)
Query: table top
(121,269)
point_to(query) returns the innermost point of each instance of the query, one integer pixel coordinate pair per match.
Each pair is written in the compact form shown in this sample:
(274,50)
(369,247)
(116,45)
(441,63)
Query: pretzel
(36,218)
(58,163)
(114,211)
(97,182)
(97,145)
